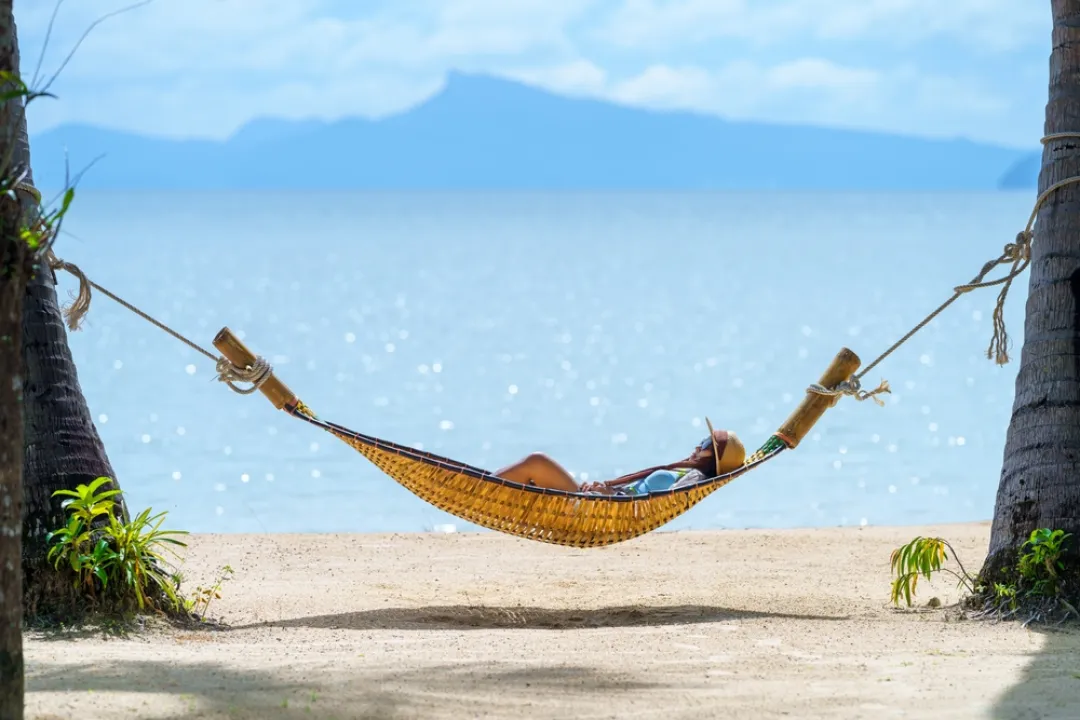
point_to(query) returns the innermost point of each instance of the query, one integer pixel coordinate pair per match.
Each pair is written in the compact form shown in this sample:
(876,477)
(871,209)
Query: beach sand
(711,624)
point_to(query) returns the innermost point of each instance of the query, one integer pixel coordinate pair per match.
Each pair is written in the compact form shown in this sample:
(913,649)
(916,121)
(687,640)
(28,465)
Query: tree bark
(16,262)
(62,447)
(14,272)
(1040,477)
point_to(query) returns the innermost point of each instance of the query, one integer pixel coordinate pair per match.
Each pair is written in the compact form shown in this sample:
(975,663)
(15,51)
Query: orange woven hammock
(553,516)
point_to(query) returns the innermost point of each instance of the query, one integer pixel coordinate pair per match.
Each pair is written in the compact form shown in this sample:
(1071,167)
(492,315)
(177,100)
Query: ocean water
(599,328)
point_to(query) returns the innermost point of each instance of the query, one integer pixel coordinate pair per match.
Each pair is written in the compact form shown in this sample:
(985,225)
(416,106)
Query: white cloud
(995,25)
(983,24)
(745,89)
(482,27)
(661,86)
(640,23)
(302,36)
(821,74)
(573,78)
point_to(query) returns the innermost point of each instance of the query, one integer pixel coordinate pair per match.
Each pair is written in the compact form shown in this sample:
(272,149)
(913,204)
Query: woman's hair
(705,464)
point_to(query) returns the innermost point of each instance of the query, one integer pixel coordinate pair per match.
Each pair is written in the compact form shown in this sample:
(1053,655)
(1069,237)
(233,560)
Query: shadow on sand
(1053,673)
(457,617)
(211,690)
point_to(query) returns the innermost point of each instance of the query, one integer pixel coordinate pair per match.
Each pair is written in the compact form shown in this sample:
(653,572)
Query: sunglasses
(705,444)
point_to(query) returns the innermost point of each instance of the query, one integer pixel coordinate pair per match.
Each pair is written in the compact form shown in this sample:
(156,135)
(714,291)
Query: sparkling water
(599,328)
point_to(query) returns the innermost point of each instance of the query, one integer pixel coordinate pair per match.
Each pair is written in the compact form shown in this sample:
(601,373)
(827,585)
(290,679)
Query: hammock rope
(257,373)
(556,516)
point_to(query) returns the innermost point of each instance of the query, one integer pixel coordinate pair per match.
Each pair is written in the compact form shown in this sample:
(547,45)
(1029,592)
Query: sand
(720,624)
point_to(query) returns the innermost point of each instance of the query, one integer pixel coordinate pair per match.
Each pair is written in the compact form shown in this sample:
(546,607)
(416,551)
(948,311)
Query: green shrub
(112,560)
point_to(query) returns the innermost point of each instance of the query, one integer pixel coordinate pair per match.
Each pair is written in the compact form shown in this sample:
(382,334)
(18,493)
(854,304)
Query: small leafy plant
(921,558)
(110,558)
(1005,595)
(200,602)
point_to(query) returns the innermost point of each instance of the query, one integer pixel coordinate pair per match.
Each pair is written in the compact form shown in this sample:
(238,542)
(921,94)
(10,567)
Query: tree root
(1045,611)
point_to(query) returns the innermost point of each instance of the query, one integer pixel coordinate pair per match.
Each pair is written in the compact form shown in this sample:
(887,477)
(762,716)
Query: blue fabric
(658,480)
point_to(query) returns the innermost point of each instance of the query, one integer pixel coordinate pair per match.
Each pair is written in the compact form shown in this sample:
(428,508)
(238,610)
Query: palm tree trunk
(62,447)
(15,268)
(1040,477)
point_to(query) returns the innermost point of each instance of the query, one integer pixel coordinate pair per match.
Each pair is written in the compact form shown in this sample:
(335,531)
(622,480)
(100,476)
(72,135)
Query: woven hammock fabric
(553,516)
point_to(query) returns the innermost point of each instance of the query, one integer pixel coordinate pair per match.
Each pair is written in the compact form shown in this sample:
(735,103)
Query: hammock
(559,517)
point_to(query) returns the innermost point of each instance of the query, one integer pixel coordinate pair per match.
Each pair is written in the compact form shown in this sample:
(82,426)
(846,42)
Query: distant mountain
(481,132)
(1023,174)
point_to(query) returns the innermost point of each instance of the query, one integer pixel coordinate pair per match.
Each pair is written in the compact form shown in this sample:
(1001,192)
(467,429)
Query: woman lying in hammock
(717,454)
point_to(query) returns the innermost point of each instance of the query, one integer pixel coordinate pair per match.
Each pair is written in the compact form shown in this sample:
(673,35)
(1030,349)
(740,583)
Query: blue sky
(201,68)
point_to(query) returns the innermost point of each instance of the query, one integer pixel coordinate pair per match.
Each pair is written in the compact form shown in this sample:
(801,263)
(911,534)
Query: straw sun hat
(727,449)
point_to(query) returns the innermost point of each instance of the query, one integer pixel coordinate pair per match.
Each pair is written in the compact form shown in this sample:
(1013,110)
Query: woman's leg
(540,470)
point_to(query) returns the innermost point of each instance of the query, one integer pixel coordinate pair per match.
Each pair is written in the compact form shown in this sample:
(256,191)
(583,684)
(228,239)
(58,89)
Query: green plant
(1005,594)
(139,545)
(921,558)
(1037,569)
(200,603)
(74,541)
(107,555)
(1040,560)
(46,225)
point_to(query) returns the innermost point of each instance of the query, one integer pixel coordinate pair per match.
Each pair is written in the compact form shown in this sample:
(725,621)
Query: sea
(600,328)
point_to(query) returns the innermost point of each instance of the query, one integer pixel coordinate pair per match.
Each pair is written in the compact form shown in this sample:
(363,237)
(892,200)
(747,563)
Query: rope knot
(74,313)
(853,388)
(1019,255)
(255,374)
(1019,251)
